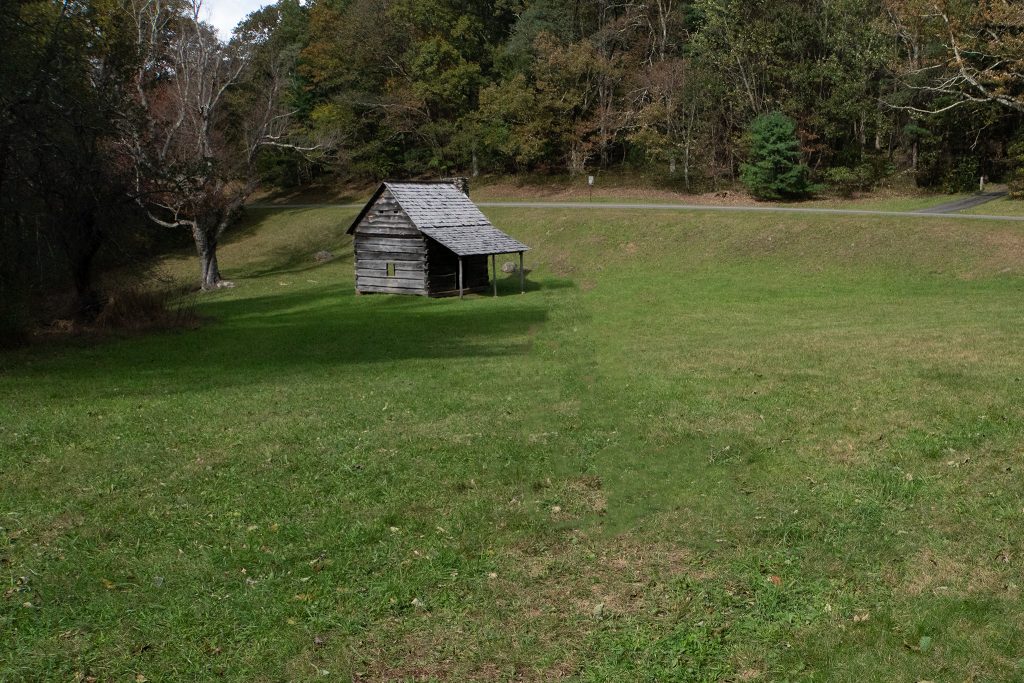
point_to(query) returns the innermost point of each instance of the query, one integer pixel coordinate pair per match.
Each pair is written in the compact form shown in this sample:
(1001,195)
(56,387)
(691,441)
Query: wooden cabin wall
(443,271)
(386,236)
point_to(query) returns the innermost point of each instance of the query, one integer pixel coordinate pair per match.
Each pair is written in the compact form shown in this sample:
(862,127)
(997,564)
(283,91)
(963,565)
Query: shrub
(862,178)
(961,177)
(876,169)
(775,170)
(844,180)
(138,310)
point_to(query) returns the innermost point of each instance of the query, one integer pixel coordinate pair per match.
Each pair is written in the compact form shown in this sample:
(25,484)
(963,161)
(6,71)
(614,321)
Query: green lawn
(880,203)
(616,190)
(1000,207)
(702,447)
(884,203)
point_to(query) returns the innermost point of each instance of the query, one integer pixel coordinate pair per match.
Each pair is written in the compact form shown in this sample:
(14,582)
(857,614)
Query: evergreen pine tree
(775,170)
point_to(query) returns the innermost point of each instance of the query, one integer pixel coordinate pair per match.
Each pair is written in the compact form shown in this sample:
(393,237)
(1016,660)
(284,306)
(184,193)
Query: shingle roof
(442,212)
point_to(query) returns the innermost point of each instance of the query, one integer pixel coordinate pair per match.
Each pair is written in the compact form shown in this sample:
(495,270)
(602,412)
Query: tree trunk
(86,303)
(210,271)
(206,246)
(686,164)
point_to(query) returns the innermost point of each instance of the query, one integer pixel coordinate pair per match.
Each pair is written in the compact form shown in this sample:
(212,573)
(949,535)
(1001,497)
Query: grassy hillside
(1000,207)
(702,447)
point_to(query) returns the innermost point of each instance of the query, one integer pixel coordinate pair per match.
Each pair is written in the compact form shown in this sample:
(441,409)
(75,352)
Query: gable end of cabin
(390,252)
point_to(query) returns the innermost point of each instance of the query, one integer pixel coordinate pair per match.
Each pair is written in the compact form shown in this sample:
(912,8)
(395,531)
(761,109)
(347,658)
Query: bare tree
(192,153)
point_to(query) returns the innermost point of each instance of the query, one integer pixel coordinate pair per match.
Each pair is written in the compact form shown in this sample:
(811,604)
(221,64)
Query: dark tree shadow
(510,284)
(292,260)
(270,338)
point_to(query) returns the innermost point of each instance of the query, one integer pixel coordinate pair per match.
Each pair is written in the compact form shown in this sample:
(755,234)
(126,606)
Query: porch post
(494,271)
(460,277)
(522,275)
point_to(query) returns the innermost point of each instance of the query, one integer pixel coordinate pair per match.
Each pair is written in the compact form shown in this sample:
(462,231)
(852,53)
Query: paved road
(924,213)
(967,203)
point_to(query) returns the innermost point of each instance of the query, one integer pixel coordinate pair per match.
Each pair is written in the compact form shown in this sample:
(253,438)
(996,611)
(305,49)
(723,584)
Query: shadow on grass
(323,327)
(510,284)
(293,256)
(308,332)
(293,260)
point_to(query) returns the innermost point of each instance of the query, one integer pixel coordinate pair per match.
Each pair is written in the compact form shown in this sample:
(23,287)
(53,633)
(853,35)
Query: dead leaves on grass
(591,579)
(556,593)
(576,498)
(931,572)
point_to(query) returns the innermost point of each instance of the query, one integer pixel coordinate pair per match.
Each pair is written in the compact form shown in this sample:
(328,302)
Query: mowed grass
(1000,207)
(702,447)
(894,203)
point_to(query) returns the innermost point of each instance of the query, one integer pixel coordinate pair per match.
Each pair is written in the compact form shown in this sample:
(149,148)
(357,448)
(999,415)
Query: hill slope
(702,447)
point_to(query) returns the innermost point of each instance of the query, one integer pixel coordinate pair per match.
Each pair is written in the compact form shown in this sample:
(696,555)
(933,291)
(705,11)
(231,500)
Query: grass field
(882,201)
(1000,207)
(702,447)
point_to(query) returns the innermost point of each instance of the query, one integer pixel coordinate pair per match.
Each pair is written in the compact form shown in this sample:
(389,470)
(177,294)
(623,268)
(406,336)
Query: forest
(127,126)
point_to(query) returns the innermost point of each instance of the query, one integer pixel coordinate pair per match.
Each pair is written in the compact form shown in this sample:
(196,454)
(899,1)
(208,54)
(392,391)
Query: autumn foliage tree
(962,52)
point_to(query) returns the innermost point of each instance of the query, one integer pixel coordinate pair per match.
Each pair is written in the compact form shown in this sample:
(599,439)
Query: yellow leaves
(320,563)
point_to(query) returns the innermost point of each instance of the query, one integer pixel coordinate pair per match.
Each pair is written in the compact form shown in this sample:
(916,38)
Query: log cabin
(427,239)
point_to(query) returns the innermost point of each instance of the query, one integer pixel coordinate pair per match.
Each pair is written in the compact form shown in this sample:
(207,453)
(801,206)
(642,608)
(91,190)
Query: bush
(962,177)
(876,169)
(845,181)
(776,170)
(137,310)
(863,178)
(947,172)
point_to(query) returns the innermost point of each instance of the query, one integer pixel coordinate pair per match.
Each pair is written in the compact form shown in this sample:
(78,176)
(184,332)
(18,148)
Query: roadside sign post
(590,183)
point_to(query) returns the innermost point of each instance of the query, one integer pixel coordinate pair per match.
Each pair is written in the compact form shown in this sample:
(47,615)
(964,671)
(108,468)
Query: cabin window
(391,270)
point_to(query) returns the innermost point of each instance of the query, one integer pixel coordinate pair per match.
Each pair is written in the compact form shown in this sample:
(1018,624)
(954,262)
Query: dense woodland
(124,121)
(519,86)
